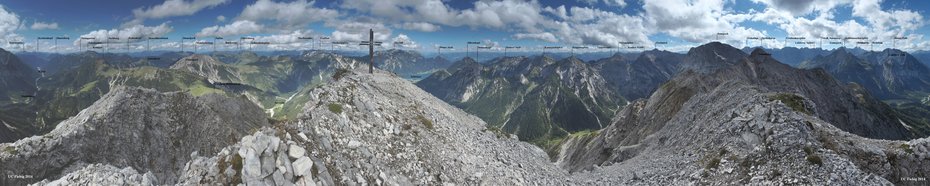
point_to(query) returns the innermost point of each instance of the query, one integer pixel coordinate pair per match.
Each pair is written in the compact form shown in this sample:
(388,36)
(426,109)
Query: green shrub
(237,165)
(340,73)
(713,163)
(236,162)
(811,157)
(10,150)
(814,159)
(794,102)
(335,108)
(907,148)
(426,122)
(221,164)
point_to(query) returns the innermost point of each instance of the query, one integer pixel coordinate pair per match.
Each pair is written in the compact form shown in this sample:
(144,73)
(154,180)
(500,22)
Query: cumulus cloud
(9,22)
(124,33)
(802,7)
(795,7)
(697,20)
(356,31)
(420,26)
(294,14)
(505,14)
(543,36)
(493,44)
(878,24)
(44,26)
(235,28)
(406,42)
(287,41)
(618,3)
(172,8)
(523,18)
(590,26)
(271,16)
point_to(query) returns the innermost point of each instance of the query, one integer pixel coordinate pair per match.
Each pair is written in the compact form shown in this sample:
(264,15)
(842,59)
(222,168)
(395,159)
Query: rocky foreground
(749,119)
(378,129)
(134,128)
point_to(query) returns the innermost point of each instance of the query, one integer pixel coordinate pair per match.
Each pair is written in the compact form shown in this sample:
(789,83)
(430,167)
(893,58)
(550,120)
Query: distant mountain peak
(711,56)
(466,58)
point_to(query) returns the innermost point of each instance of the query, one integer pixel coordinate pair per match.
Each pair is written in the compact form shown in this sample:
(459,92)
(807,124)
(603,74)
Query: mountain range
(746,120)
(714,116)
(889,74)
(537,98)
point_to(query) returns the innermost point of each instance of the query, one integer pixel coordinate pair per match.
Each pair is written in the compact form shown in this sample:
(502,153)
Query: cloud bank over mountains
(585,22)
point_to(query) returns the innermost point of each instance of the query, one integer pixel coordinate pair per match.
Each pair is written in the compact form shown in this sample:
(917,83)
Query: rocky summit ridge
(752,121)
(139,128)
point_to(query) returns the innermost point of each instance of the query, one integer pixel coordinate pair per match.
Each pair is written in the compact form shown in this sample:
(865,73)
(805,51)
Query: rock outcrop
(102,174)
(752,121)
(377,129)
(134,127)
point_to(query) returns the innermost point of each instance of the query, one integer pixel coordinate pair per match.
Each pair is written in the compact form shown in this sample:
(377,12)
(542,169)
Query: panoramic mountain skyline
(425,25)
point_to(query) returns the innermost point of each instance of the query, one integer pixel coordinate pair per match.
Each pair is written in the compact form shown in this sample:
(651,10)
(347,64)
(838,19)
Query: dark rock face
(640,77)
(16,78)
(407,62)
(709,57)
(792,55)
(889,74)
(17,84)
(536,98)
(140,128)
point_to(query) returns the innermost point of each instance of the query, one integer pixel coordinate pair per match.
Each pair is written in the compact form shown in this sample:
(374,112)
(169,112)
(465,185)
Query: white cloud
(589,26)
(507,14)
(235,28)
(878,24)
(420,26)
(124,33)
(172,8)
(9,22)
(696,20)
(802,7)
(434,11)
(543,36)
(44,26)
(524,19)
(294,14)
(493,44)
(795,7)
(407,42)
(504,14)
(618,3)
(358,31)
(287,41)
(271,16)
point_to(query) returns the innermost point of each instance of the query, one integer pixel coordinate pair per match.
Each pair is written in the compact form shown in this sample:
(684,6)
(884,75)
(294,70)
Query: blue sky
(425,24)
